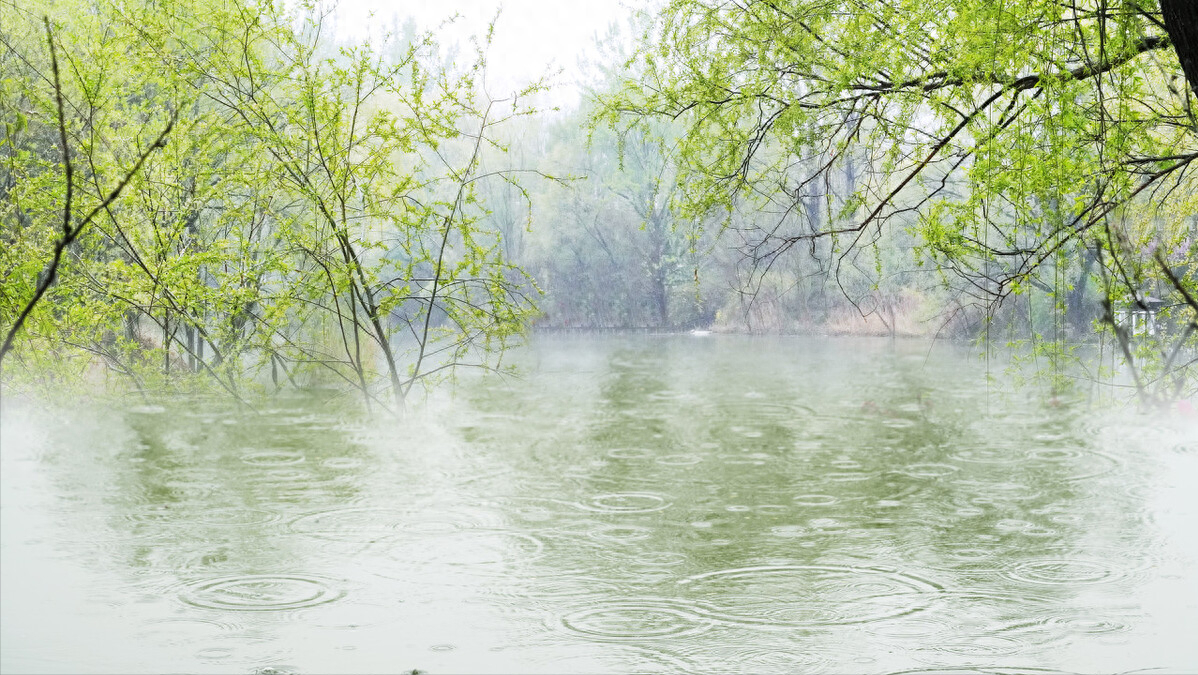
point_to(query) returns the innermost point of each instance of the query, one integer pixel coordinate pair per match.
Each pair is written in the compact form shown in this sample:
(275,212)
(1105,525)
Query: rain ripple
(355,524)
(490,552)
(261,593)
(1065,571)
(638,619)
(790,596)
(982,670)
(626,502)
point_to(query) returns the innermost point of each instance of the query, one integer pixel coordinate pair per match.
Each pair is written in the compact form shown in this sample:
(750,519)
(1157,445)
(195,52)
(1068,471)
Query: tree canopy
(1015,140)
(312,218)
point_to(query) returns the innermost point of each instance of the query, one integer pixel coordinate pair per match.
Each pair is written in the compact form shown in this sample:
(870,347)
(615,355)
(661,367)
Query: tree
(609,249)
(27,291)
(318,221)
(1013,139)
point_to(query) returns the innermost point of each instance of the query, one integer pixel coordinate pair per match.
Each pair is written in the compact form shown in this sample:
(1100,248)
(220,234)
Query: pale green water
(651,504)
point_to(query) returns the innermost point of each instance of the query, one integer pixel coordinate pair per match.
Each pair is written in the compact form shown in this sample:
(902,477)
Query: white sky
(531,36)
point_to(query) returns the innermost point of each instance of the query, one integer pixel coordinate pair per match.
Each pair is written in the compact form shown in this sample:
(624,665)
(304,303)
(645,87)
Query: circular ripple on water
(750,410)
(620,534)
(815,500)
(1076,463)
(626,502)
(261,593)
(988,456)
(361,524)
(1065,571)
(811,595)
(475,551)
(630,453)
(180,632)
(680,459)
(273,458)
(1086,624)
(235,515)
(913,627)
(982,670)
(764,659)
(929,470)
(244,649)
(636,619)
(553,590)
(433,520)
(978,646)
(661,558)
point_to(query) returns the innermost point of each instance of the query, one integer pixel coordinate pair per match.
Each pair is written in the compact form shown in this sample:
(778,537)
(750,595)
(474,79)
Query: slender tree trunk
(657,271)
(190,334)
(1076,311)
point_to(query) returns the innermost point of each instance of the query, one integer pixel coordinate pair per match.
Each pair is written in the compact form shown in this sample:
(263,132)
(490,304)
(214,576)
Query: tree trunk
(1078,315)
(1181,21)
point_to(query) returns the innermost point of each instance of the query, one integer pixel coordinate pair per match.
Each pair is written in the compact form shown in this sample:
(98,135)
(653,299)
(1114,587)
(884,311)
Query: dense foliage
(221,195)
(312,217)
(1030,148)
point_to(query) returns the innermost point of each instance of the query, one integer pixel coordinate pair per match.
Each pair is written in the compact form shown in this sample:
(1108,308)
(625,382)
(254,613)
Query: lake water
(631,504)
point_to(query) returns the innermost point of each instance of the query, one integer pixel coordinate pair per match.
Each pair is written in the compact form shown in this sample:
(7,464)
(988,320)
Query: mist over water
(631,504)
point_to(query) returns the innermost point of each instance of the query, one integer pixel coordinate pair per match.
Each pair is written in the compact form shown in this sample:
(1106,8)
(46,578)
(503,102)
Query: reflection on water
(648,504)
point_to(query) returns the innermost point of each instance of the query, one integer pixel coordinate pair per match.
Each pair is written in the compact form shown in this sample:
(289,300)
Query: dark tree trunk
(657,272)
(1078,314)
(1181,20)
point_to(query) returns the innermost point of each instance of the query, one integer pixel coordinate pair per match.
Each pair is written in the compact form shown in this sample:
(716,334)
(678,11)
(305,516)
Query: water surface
(631,504)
